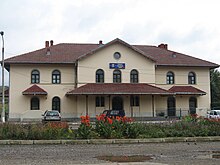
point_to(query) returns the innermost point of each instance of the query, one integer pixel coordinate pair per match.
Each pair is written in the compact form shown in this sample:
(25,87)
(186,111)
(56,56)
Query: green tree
(215,88)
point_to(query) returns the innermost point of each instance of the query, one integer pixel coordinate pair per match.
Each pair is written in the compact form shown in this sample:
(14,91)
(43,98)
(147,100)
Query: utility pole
(3,79)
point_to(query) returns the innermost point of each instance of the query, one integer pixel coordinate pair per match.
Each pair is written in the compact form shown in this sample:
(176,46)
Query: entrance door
(117,103)
(171,106)
(192,105)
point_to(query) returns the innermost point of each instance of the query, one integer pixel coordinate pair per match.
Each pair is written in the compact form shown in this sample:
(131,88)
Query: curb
(112,141)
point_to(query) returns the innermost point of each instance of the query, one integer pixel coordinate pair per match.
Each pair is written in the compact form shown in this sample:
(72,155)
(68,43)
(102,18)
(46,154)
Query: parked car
(51,115)
(214,114)
(114,113)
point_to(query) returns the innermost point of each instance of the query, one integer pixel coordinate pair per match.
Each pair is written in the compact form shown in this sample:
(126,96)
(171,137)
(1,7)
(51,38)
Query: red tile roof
(166,57)
(118,89)
(60,53)
(69,53)
(186,90)
(34,90)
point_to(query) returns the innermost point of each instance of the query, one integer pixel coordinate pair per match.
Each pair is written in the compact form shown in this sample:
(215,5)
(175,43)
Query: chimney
(46,44)
(100,42)
(48,51)
(51,42)
(163,46)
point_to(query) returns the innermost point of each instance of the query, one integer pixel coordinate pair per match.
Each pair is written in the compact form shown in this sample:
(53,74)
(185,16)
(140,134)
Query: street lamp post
(3,83)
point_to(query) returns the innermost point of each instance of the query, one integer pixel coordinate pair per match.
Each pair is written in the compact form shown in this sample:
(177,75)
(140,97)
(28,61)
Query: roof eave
(187,65)
(34,93)
(22,62)
(190,93)
(119,93)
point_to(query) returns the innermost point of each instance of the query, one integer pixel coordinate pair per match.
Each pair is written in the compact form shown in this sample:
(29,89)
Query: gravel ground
(201,153)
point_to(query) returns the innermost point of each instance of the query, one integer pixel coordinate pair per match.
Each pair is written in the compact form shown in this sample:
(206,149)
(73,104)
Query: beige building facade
(80,79)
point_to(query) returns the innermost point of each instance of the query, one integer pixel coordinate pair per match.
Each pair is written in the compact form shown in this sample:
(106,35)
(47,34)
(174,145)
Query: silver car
(214,114)
(51,115)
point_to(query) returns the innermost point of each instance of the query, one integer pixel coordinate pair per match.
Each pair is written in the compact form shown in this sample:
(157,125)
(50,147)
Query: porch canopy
(34,90)
(186,90)
(118,89)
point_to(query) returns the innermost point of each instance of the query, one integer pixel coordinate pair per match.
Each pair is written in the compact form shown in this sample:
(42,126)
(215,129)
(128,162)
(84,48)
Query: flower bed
(109,128)
(123,127)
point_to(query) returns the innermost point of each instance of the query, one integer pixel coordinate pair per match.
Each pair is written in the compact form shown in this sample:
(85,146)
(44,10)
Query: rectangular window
(135,101)
(100,101)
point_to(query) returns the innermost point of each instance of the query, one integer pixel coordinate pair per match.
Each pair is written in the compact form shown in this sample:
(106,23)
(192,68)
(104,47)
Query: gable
(103,58)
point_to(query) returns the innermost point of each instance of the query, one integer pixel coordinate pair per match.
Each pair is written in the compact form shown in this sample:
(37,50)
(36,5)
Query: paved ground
(201,153)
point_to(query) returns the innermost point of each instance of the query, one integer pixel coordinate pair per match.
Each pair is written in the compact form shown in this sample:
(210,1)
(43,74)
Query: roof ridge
(76,44)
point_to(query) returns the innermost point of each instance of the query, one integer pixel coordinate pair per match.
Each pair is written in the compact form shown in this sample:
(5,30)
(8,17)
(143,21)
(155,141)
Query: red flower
(100,117)
(118,118)
(85,120)
(110,121)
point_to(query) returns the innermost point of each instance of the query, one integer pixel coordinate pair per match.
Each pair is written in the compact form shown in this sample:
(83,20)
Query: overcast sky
(188,26)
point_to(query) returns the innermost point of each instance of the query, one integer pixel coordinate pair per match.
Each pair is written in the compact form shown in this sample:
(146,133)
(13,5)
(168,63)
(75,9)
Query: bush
(34,131)
(112,127)
(133,130)
(85,129)
(11,131)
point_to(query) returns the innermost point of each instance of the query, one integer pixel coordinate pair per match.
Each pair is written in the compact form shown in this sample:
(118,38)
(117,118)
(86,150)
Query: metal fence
(174,112)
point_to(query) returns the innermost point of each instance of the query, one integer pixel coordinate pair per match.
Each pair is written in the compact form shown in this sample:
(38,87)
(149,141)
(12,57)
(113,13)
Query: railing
(174,112)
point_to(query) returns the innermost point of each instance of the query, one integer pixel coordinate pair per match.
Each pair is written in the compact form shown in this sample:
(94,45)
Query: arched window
(170,78)
(192,78)
(35,77)
(134,76)
(56,103)
(192,105)
(99,76)
(56,77)
(35,103)
(117,76)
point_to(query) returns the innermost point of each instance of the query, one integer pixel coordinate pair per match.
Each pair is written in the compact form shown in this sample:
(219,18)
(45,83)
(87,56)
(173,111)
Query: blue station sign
(117,65)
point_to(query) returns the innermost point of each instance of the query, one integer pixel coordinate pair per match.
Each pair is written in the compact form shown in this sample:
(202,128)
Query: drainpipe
(3,80)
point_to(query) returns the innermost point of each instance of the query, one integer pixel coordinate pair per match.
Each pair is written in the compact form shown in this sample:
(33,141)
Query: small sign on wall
(117,65)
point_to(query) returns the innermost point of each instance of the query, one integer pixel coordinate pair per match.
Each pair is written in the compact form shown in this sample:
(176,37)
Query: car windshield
(114,112)
(50,113)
